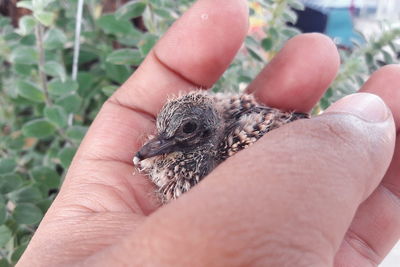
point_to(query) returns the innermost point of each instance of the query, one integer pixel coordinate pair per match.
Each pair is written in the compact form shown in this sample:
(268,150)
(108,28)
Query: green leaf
(26,194)
(125,56)
(27,213)
(5,235)
(71,103)
(3,212)
(45,175)
(15,141)
(24,55)
(130,40)
(250,41)
(28,40)
(25,4)
(290,16)
(267,44)
(30,91)
(85,81)
(55,69)
(4,263)
(255,54)
(147,43)
(39,128)
(245,79)
(295,4)
(324,103)
(44,204)
(9,183)
(65,155)
(58,87)
(369,58)
(16,255)
(273,33)
(117,73)
(111,25)
(387,57)
(109,89)
(41,4)
(162,12)
(56,115)
(23,70)
(4,22)
(289,32)
(54,39)
(131,10)
(26,25)
(44,17)
(7,165)
(76,132)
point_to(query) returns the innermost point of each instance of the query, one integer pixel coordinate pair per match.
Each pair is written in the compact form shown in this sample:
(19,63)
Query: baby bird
(198,131)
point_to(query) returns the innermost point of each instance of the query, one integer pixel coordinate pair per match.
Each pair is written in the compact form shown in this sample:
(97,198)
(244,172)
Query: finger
(386,83)
(376,226)
(299,74)
(285,201)
(193,53)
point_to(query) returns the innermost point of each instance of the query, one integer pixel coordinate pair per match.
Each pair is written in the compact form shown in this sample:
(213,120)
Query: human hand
(306,193)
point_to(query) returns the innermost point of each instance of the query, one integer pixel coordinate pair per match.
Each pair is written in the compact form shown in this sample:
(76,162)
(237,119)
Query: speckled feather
(229,123)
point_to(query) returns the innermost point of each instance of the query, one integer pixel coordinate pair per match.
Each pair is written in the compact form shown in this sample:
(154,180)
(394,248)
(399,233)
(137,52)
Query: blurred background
(60,60)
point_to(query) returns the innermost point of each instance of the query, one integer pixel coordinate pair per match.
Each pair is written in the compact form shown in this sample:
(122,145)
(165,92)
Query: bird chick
(199,130)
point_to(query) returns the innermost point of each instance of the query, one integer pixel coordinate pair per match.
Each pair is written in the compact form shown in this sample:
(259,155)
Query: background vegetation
(45,108)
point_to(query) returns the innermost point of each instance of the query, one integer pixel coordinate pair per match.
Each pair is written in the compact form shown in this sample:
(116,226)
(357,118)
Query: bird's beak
(154,147)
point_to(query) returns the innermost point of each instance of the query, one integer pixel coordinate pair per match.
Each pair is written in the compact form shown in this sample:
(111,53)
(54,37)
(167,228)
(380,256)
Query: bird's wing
(246,126)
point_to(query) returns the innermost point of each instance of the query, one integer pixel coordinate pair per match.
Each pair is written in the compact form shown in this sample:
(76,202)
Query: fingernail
(367,106)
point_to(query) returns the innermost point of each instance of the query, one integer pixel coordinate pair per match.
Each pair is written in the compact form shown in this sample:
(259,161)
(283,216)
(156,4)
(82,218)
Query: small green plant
(45,109)
(358,64)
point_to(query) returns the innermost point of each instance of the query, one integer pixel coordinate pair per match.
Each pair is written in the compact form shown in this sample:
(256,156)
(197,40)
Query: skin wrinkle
(137,110)
(85,229)
(362,247)
(144,92)
(131,184)
(279,242)
(389,218)
(372,143)
(393,191)
(133,205)
(101,145)
(177,73)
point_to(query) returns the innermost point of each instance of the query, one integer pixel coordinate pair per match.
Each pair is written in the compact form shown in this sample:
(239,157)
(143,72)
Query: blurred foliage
(44,113)
(364,59)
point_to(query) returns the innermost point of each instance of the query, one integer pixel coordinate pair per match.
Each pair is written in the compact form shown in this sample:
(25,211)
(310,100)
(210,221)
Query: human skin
(317,192)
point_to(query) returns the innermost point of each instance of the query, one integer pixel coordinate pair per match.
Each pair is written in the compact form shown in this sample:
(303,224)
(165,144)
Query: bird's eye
(189,127)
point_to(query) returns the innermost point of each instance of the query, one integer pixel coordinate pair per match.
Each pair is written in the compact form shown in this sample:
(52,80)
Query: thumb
(286,201)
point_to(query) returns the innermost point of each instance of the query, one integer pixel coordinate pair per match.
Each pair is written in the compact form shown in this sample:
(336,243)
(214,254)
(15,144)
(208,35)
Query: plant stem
(64,136)
(3,254)
(78,24)
(42,61)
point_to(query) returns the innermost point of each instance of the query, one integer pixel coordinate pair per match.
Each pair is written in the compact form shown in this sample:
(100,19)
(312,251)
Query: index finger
(193,53)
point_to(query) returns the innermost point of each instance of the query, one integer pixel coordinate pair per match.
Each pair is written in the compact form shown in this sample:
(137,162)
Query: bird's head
(185,124)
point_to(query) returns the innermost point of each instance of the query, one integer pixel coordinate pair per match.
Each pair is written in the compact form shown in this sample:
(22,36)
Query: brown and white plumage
(199,130)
